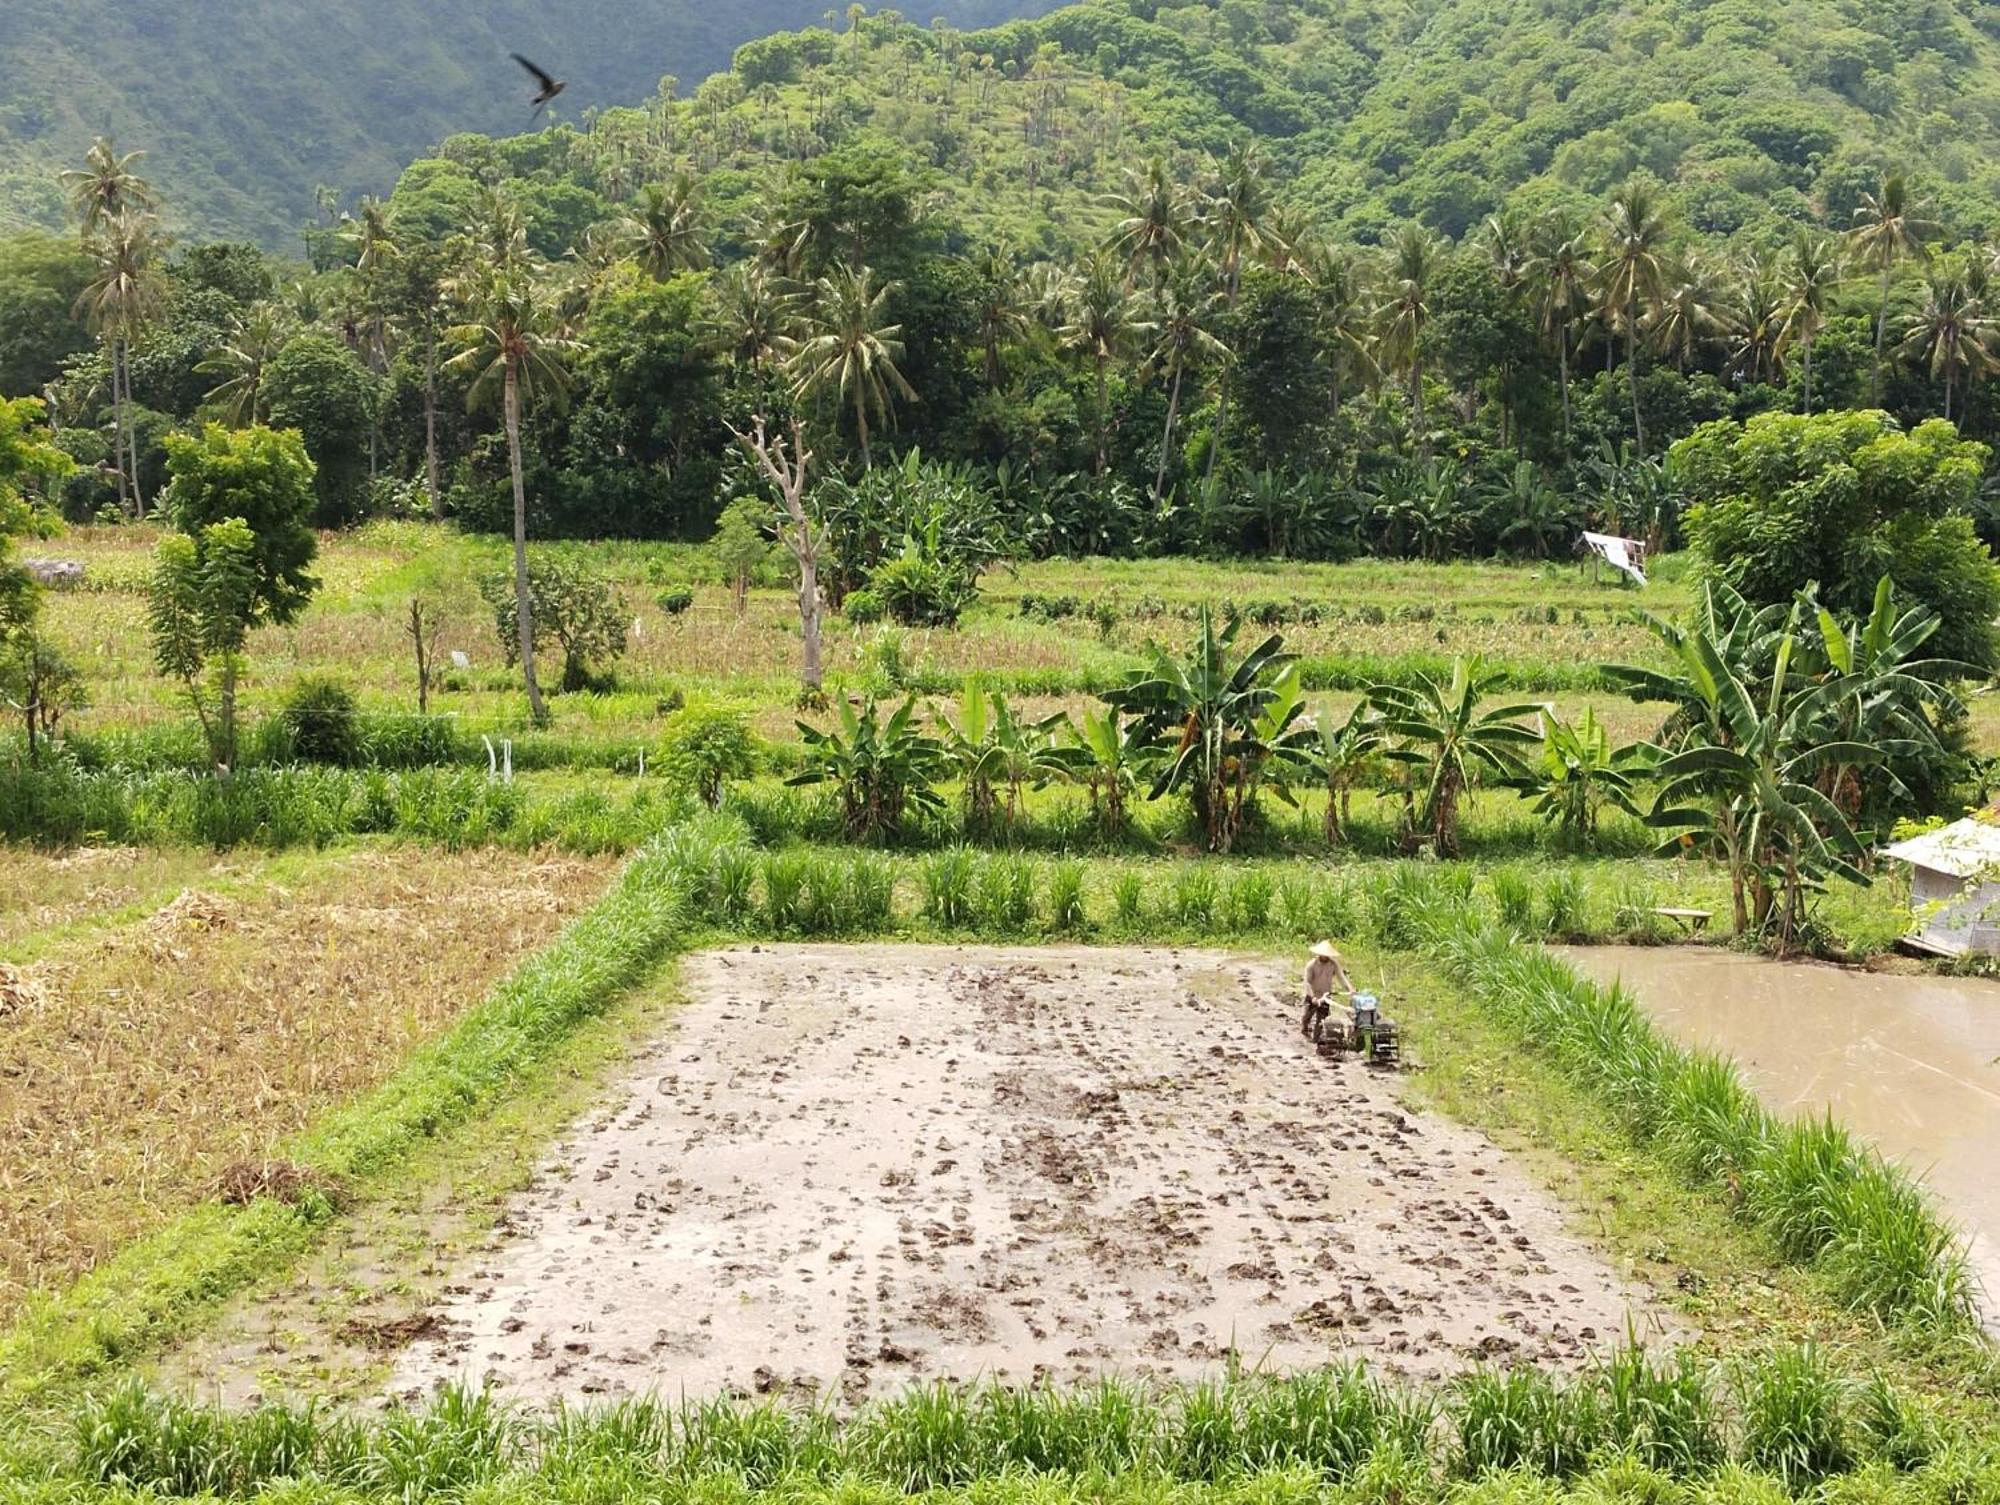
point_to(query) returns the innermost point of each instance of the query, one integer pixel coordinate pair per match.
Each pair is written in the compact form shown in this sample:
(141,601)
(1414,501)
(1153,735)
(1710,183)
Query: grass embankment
(148,1053)
(1636,1429)
(156,1286)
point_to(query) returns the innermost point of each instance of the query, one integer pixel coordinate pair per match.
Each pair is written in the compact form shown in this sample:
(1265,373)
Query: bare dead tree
(422,628)
(784,461)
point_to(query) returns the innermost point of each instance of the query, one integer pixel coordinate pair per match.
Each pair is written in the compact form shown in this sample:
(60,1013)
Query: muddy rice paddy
(1909,1063)
(844,1169)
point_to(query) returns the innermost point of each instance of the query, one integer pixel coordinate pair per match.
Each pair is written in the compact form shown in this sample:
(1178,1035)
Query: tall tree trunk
(131,432)
(1947,392)
(118,432)
(1103,416)
(1222,395)
(1167,434)
(1881,326)
(1632,371)
(1562,359)
(430,424)
(1417,399)
(524,617)
(861,426)
(809,618)
(1807,344)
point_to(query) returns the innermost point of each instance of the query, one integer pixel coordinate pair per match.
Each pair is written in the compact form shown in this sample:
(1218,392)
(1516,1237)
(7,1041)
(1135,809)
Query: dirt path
(855,1167)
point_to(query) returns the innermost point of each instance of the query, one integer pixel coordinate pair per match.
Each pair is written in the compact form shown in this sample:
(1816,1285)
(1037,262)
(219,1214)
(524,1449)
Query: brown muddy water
(1910,1063)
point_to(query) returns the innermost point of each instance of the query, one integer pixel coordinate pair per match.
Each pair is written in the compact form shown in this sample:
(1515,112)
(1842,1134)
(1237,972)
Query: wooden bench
(1691,921)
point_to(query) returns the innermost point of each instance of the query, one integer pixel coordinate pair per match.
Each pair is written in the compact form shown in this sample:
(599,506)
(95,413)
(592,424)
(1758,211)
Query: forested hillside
(246,106)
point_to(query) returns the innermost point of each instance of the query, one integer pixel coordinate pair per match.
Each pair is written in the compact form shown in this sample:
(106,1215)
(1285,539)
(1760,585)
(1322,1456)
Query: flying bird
(547,88)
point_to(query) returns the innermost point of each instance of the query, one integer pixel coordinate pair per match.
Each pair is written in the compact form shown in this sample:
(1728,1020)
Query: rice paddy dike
(443,1137)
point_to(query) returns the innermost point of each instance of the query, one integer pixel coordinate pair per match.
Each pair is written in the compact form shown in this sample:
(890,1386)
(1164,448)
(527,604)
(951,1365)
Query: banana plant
(1341,751)
(1448,744)
(883,768)
(1577,773)
(1106,753)
(993,750)
(1221,722)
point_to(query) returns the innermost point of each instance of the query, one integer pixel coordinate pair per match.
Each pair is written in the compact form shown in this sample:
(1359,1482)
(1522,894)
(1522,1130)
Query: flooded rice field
(1911,1063)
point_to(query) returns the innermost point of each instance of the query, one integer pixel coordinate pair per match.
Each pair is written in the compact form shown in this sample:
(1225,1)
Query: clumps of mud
(20,991)
(844,1169)
(245,1181)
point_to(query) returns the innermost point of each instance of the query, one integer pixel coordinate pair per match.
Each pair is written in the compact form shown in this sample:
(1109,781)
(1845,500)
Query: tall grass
(1655,1425)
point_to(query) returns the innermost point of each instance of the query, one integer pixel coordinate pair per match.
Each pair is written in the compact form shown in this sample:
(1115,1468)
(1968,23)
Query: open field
(148,1052)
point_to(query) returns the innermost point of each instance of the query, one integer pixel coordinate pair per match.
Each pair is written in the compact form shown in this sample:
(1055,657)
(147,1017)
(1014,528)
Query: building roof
(1961,849)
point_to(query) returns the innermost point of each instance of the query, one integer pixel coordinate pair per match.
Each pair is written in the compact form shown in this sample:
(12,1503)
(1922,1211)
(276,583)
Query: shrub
(675,599)
(324,721)
(919,590)
(573,605)
(871,893)
(1128,897)
(1250,895)
(784,892)
(705,745)
(1194,897)
(864,607)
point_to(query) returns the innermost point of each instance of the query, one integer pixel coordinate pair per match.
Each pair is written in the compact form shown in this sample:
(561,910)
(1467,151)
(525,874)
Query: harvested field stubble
(143,1059)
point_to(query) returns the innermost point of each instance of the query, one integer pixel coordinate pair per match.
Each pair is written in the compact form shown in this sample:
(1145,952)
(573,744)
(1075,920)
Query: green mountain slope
(1757,115)
(244,106)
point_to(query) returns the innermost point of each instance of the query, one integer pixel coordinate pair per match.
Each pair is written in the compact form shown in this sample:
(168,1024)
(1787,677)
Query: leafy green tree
(238,398)
(704,747)
(202,602)
(1107,755)
(741,545)
(1438,731)
(28,463)
(1842,499)
(666,229)
(41,280)
(995,750)
(1154,221)
(316,387)
(1561,268)
(1814,274)
(1222,722)
(263,478)
(1340,751)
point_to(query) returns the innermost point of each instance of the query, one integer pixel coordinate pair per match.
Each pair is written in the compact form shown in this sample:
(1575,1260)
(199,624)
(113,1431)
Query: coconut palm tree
(665,230)
(1951,336)
(106,188)
(1561,267)
(1812,275)
(1754,321)
(123,294)
(1004,315)
(851,350)
(1684,320)
(1634,269)
(1340,300)
(1186,313)
(1103,326)
(1238,217)
(1414,261)
(753,318)
(1153,225)
(1889,227)
(518,344)
(255,337)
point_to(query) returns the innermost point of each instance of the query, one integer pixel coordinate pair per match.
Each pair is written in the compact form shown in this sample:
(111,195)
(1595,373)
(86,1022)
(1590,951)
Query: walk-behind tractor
(1359,1030)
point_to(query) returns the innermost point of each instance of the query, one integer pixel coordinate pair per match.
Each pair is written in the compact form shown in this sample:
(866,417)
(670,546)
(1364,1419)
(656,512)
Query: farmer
(1323,971)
